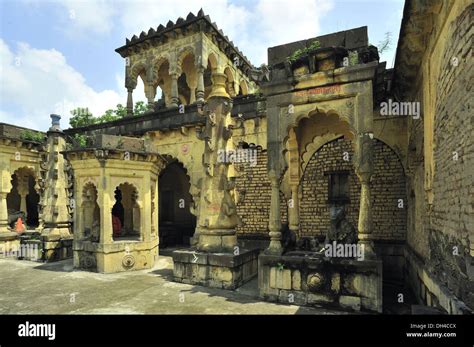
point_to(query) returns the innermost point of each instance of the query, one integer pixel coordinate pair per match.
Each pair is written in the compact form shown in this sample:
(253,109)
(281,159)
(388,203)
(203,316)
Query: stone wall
(440,238)
(254,194)
(387,187)
(451,219)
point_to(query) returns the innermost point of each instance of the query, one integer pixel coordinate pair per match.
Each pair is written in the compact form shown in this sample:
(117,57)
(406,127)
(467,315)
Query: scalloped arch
(316,111)
(135,191)
(184,52)
(137,69)
(313,146)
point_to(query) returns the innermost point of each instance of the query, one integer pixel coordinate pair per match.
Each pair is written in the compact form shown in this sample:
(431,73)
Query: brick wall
(254,189)
(452,216)
(387,186)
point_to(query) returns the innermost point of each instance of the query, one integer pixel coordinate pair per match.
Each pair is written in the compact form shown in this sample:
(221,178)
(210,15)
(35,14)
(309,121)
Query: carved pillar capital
(218,85)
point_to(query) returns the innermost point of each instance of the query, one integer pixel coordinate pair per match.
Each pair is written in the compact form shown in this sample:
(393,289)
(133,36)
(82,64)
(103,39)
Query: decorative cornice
(201,22)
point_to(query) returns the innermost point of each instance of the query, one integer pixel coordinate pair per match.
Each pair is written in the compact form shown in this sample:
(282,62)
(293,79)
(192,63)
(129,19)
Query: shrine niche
(90,214)
(114,191)
(23,199)
(126,212)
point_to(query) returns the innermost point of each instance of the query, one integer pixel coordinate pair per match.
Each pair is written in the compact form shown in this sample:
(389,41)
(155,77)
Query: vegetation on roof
(300,52)
(82,117)
(30,135)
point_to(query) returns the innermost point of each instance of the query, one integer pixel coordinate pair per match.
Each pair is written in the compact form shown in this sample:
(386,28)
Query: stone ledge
(218,270)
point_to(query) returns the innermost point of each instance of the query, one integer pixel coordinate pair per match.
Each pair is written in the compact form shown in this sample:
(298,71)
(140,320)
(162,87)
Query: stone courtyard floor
(55,288)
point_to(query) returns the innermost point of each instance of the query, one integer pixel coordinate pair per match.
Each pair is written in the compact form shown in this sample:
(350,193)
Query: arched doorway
(126,213)
(176,222)
(23,200)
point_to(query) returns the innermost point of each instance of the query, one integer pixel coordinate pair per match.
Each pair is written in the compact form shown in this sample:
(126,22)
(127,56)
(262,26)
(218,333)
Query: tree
(140,108)
(81,117)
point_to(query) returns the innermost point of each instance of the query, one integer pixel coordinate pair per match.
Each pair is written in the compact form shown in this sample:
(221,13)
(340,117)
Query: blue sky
(58,55)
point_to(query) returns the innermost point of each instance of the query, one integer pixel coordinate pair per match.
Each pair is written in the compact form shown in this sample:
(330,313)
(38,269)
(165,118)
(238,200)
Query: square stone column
(217,260)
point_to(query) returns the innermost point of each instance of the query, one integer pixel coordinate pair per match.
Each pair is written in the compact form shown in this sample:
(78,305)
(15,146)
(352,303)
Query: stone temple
(324,174)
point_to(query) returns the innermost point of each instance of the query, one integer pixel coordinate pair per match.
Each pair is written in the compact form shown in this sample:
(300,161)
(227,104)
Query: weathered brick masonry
(387,187)
(253,187)
(451,218)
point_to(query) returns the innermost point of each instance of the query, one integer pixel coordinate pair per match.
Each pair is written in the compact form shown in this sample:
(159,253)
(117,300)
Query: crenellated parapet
(184,59)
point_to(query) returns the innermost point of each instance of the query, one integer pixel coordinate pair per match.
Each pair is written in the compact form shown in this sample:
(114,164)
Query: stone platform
(9,244)
(118,256)
(217,270)
(319,281)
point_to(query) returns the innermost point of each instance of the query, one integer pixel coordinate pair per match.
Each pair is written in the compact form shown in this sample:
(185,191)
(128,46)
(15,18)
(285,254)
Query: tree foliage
(83,117)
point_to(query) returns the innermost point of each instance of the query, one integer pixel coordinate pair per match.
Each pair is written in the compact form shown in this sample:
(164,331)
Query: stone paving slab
(56,288)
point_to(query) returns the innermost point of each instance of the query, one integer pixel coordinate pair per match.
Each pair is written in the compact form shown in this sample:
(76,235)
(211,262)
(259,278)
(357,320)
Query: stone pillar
(23,187)
(364,169)
(200,85)
(105,204)
(174,89)
(218,215)
(130,84)
(294,210)
(4,213)
(274,224)
(56,196)
(150,93)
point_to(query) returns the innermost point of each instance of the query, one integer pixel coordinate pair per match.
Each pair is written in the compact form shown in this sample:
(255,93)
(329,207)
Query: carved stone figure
(341,230)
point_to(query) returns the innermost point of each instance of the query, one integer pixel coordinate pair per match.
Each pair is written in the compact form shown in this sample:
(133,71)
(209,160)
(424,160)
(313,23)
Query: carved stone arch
(212,59)
(132,207)
(314,146)
(194,188)
(318,111)
(183,53)
(31,172)
(138,69)
(243,87)
(396,151)
(230,83)
(156,64)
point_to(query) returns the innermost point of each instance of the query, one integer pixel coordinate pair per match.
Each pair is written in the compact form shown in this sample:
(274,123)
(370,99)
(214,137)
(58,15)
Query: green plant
(80,140)
(353,58)
(300,52)
(386,43)
(30,135)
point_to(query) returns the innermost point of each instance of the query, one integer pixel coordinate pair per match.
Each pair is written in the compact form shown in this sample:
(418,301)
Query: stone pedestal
(305,279)
(56,248)
(114,257)
(217,270)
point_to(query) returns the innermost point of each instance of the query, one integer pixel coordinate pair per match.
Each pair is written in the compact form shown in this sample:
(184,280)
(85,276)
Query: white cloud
(35,83)
(253,29)
(81,17)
